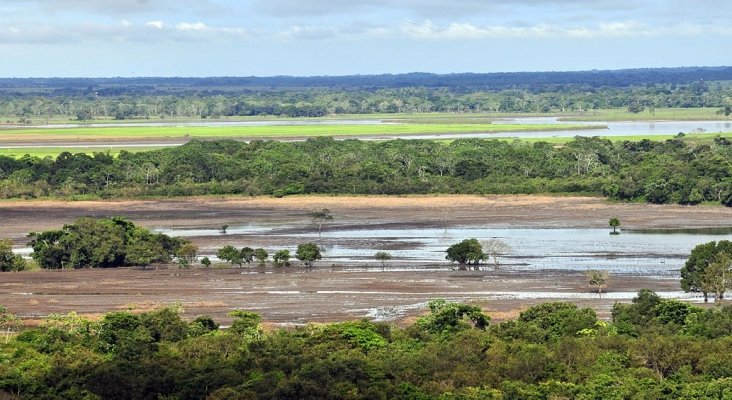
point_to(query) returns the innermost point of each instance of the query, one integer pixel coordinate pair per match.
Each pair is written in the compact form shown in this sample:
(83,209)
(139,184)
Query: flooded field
(659,253)
(554,241)
(648,128)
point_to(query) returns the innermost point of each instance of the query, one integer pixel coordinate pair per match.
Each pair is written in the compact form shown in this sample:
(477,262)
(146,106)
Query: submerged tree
(320,217)
(383,257)
(494,248)
(614,223)
(467,252)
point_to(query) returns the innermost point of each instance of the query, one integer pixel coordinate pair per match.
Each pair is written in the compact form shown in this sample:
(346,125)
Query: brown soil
(295,295)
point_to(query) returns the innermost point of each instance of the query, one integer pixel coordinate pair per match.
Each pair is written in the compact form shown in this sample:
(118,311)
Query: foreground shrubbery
(654,349)
(674,171)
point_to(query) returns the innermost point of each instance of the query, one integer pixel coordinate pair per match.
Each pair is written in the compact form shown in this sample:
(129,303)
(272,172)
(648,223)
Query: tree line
(94,103)
(653,348)
(497,80)
(672,171)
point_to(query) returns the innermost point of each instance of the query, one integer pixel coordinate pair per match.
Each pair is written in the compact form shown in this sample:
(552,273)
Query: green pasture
(42,152)
(292,131)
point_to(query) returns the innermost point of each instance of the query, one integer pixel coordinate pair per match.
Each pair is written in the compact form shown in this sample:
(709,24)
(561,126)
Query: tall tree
(495,248)
(717,276)
(693,272)
(320,217)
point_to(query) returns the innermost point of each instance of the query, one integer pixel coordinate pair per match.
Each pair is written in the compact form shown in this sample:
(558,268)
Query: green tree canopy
(308,253)
(469,251)
(102,243)
(702,256)
(10,261)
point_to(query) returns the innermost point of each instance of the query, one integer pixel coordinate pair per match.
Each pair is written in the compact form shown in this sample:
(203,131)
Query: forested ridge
(615,78)
(673,171)
(653,349)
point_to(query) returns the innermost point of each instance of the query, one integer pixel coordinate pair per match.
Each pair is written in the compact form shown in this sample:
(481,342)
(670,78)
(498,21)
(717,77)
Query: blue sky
(43,38)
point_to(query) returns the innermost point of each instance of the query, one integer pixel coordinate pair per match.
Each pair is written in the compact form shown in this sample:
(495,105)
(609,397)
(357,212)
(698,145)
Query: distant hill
(461,81)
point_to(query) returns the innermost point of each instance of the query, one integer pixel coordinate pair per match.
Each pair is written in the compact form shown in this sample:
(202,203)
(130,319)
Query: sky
(108,38)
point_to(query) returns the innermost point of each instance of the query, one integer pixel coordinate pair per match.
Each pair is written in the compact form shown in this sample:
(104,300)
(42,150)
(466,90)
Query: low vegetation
(654,348)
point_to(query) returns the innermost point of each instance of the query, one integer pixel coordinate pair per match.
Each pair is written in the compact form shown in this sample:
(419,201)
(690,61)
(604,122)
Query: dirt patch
(296,295)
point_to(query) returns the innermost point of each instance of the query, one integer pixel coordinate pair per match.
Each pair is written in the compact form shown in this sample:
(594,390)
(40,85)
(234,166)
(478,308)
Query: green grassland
(283,131)
(55,151)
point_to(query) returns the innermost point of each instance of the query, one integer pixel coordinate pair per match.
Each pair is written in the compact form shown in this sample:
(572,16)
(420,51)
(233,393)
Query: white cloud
(428,30)
(195,26)
(155,24)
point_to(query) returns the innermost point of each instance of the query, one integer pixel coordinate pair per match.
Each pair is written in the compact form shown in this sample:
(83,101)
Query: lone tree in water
(467,252)
(495,248)
(598,279)
(319,217)
(614,223)
(383,257)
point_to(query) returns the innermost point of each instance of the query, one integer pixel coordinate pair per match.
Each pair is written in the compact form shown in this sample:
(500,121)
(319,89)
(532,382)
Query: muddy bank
(356,289)
(295,296)
(21,217)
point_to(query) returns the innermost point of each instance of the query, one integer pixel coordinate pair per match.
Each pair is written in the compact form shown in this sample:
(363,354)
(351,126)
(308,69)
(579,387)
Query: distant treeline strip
(674,171)
(128,101)
(498,80)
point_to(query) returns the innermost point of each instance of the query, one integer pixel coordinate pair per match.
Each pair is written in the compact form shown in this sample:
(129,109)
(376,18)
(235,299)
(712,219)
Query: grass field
(55,151)
(287,131)
(51,142)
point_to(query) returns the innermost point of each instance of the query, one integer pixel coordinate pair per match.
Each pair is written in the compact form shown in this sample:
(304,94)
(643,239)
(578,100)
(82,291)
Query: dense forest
(673,171)
(653,349)
(82,99)
(498,80)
